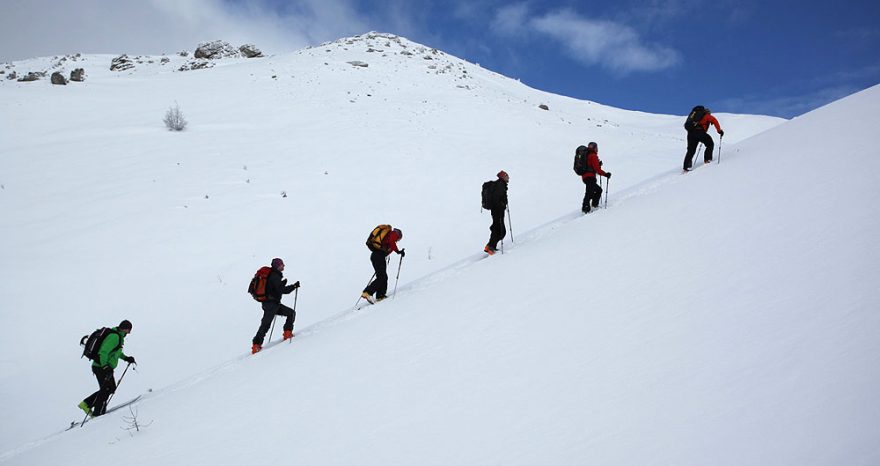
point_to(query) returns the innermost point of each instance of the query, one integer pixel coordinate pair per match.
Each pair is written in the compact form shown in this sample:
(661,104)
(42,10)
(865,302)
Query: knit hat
(399,234)
(276,262)
(503,175)
(125,325)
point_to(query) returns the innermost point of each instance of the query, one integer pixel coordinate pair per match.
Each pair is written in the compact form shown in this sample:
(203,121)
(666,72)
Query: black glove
(129,359)
(402,252)
(296,285)
(721,132)
(608,175)
(283,282)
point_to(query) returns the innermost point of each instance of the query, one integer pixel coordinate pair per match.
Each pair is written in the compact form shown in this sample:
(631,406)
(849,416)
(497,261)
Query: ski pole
(295,296)
(118,383)
(720,140)
(398,277)
(607,184)
(368,284)
(510,222)
(273,328)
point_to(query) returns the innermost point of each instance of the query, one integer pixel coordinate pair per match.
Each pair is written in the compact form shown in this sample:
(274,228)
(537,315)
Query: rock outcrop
(250,51)
(58,79)
(121,63)
(216,49)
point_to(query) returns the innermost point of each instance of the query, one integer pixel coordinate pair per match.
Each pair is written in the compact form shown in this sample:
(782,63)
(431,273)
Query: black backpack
(92,343)
(580,160)
(488,195)
(694,117)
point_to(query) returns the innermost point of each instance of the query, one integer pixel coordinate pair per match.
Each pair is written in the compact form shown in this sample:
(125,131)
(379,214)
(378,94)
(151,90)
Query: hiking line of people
(268,286)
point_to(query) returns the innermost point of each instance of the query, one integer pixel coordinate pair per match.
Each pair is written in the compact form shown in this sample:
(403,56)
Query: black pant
(270,310)
(497,229)
(379,286)
(694,138)
(106,386)
(592,194)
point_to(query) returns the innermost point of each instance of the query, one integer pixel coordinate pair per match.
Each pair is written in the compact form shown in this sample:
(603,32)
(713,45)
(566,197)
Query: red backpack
(257,288)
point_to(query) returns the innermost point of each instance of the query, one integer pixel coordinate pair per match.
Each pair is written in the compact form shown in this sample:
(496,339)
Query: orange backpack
(374,241)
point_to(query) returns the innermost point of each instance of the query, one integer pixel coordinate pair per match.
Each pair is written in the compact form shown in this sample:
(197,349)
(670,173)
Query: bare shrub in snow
(174,120)
(133,424)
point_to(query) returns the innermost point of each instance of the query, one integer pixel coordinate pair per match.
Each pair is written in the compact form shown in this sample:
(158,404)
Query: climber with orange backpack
(267,287)
(382,242)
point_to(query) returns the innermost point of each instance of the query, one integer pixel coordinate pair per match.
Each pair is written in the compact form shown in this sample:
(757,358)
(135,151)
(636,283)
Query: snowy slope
(641,334)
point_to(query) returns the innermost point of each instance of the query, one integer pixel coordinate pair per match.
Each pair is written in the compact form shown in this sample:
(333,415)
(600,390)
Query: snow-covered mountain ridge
(594,339)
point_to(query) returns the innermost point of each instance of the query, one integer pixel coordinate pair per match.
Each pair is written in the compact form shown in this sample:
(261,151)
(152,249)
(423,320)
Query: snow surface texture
(725,316)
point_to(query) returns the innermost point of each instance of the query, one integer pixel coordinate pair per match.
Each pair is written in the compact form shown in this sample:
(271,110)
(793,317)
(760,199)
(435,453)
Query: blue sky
(662,56)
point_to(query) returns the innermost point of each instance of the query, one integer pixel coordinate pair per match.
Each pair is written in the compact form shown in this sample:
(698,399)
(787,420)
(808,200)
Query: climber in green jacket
(109,354)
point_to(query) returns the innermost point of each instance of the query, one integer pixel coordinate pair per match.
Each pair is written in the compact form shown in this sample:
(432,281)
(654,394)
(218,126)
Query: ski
(108,411)
(122,405)
(367,303)
(696,166)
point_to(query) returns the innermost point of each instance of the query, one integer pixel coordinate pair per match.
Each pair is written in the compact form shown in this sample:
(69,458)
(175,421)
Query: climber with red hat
(276,286)
(382,242)
(495,200)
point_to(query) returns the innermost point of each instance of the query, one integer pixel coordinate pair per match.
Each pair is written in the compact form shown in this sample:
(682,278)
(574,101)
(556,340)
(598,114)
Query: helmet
(399,234)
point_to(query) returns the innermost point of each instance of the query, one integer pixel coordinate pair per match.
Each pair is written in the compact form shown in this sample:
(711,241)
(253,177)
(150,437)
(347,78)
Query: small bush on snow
(174,120)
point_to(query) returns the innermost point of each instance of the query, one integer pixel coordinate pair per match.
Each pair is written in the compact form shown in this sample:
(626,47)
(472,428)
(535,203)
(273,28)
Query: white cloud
(510,20)
(612,45)
(31,28)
